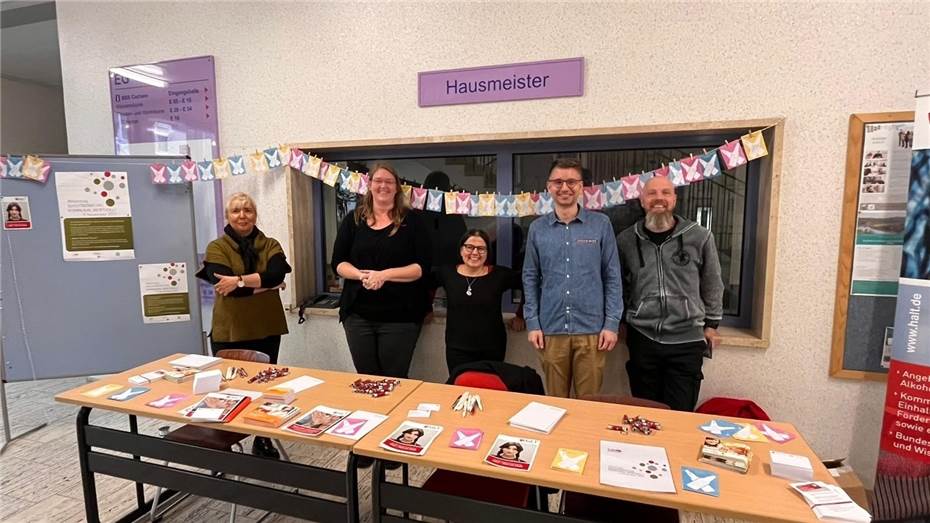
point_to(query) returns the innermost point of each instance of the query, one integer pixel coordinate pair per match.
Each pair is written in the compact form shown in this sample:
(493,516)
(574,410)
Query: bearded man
(673,298)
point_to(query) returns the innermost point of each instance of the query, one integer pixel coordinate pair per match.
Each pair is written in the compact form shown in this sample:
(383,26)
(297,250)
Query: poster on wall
(883,182)
(95,215)
(16,214)
(163,287)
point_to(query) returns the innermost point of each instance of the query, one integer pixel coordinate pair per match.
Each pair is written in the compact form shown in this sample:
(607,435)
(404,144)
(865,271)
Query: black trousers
(666,372)
(456,357)
(270,346)
(381,348)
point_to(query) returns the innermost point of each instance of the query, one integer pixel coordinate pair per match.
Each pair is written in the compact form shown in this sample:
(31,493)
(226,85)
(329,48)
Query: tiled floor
(40,477)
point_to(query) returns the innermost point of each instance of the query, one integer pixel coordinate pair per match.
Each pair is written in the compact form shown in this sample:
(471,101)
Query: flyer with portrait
(96,218)
(163,288)
(16,213)
(512,452)
(317,421)
(411,438)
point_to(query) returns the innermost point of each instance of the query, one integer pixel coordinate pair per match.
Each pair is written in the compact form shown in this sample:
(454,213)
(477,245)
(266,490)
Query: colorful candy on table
(375,388)
(270,374)
(636,424)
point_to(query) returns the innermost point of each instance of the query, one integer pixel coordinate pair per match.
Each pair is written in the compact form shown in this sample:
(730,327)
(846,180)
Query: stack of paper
(639,467)
(196,361)
(537,417)
(287,391)
(830,502)
(791,466)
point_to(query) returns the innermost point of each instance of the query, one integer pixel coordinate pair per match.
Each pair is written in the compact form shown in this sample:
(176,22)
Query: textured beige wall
(312,71)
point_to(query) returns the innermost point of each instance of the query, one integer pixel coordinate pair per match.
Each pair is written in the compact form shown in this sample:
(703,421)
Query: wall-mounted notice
(163,287)
(162,107)
(95,214)
(16,214)
(500,83)
(885,169)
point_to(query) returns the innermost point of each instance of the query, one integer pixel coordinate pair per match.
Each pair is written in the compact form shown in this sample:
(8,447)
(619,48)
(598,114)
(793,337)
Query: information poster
(16,214)
(96,216)
(163,287)
(886,158)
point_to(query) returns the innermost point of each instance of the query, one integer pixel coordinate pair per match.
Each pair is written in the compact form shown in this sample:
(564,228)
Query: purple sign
(499,83)
(159,107)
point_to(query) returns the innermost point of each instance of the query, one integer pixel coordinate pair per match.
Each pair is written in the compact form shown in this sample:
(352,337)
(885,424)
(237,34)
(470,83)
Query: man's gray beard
(660,222)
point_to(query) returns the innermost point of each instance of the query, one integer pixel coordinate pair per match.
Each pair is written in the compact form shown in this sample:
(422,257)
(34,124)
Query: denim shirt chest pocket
(587,255)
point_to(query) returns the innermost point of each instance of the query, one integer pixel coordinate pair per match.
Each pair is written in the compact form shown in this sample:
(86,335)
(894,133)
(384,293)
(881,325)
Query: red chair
(481,488)
(596,508)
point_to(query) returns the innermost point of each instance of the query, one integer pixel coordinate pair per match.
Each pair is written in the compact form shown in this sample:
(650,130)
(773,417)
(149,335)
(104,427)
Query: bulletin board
(878,157)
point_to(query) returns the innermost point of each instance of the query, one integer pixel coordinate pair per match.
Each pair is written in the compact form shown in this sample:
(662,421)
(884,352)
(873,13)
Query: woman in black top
(382,250)
(474,325)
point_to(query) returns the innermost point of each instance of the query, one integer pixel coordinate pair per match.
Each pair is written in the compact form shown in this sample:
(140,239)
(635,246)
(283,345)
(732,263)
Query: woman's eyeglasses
(475,248)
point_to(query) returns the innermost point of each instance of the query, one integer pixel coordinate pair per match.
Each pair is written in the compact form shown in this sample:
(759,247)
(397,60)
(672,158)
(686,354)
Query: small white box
(791,466)
(207,381)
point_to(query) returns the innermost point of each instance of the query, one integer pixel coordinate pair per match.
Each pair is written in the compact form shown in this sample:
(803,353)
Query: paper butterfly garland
(544,205)
(258,163)
(331,176)
(298,158)
(473,205)
(523,205)
(733,155)
(221,168)
(271,156)
(284,155)
(710,164)
(632,186)
(676,175)
(205,168)
(174,175)
(190,170)
(487,205)
(505,206)
(312,167)
(352,183)
(14,167)
(614,193)
(35,168)
(462,203)
(754,145)
(237,165)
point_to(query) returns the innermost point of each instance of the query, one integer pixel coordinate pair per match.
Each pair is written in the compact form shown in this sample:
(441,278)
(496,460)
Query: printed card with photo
(512,452)
(317,421)
(570,460)
(411,438)
(468,439)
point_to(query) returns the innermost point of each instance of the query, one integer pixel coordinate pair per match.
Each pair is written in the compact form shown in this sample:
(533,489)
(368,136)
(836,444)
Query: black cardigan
(371,249)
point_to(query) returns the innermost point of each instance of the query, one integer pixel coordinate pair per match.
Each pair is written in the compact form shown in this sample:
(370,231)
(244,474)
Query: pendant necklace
(470,281)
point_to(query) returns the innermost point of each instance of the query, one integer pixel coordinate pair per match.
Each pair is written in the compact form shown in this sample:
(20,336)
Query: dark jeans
(456,357)
(381,348)
(269,346)
(665,372)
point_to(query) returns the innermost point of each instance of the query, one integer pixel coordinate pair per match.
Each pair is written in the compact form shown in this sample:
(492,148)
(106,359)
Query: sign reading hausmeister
(499,83)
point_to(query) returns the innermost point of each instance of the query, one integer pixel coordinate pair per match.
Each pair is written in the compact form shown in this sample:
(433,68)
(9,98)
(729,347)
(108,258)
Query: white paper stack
(831,503)
(195,361)
(791,466)
(537,417)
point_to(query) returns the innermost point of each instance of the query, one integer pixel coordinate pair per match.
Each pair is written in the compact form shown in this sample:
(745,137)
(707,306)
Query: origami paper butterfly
(363,183)
(676,175)
(190,170)
(593,197)
(408,191)
(523,205)
(505,206)
(344,175)
(237,165)
(35,168)
(449,198)
(487,205)
(297,159)
(710,164)
(631,187)
(473,205)
(332,174)
(221,168)
(691,169)
(418,201)
(271,156)
(733,155)
(158,173)
(614,192)
(434,200)
(352,183)
(205,168)
(14,166)
(544,206)
(284,155)
(312,167)
(258,163)
(754,145)
(174,175)
(661,171)
(3,167)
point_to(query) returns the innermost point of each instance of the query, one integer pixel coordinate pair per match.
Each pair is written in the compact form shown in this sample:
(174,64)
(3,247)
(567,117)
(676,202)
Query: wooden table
(334,392)
(755,496)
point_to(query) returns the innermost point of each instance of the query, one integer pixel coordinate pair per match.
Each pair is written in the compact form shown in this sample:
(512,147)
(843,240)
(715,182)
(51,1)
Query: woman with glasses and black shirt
(474,323)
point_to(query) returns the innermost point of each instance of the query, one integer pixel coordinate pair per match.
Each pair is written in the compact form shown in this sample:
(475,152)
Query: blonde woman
(382,250)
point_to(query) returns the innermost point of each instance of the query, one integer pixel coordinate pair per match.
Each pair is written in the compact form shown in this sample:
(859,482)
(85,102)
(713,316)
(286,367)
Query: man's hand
(536,339)
(712,338)
(606,340)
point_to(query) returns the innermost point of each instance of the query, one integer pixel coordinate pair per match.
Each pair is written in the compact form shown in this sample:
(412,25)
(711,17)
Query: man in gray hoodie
(673,298)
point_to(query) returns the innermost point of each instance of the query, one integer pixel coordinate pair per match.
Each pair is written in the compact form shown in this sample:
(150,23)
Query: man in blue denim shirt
(571,281)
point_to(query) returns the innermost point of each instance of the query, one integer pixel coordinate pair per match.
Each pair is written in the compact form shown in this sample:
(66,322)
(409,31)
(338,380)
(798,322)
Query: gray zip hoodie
(670,289)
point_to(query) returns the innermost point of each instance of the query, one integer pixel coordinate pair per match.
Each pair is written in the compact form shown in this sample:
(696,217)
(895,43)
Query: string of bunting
(28,167)
(686,171)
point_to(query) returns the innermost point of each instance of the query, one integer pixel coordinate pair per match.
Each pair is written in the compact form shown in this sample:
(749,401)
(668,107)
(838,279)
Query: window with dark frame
(727,205)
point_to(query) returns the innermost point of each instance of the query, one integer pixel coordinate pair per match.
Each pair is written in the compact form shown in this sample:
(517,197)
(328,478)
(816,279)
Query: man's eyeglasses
(475,248)
(571,184)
